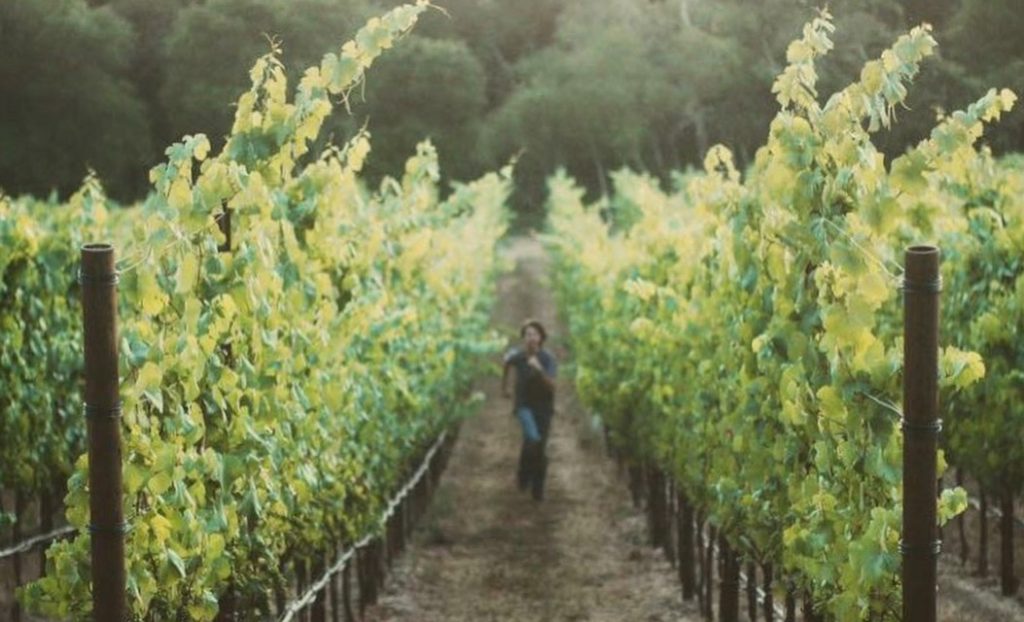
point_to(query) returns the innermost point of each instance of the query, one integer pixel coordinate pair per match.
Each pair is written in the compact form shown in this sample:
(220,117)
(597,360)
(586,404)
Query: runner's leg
(541,459)
(527,470)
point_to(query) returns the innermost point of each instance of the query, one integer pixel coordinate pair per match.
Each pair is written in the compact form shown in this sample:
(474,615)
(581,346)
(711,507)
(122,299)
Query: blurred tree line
(591,85)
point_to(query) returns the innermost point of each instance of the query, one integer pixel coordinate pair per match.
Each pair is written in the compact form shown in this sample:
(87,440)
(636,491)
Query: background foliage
(589,86)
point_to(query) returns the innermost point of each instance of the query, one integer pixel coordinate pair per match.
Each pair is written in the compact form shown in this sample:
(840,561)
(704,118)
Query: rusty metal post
(98,278)
(920,545)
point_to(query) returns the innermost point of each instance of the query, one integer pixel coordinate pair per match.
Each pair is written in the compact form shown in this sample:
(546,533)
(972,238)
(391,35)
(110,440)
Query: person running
(534,402)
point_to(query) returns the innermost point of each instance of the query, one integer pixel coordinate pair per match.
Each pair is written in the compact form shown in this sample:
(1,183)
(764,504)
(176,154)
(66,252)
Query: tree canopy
(587,86)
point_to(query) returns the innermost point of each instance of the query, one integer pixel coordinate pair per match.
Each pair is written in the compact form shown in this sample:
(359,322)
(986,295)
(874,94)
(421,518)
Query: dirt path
(489,552)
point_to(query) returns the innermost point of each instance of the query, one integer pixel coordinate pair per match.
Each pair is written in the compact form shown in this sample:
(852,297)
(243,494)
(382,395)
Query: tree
(211,46)
(984,37)
(151,21)
(424,88)
(68,102)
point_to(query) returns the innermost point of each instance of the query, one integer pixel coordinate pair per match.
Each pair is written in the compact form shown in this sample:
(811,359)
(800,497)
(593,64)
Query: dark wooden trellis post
(751,591)
(982,532)
(729,590)
(920,545)
(655,505)
(228,604)
(346,590)
(669,545)
(709,570)
(19,517)
(768,571)
(318,611)
(98,278)
(790,604)
(335,596)
(687,563)
(1007,525)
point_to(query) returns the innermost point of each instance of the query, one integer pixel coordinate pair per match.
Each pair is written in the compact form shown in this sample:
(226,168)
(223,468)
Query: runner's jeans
(532,461)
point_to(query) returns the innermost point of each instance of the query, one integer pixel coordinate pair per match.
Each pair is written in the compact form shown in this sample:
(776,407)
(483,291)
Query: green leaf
(176,561)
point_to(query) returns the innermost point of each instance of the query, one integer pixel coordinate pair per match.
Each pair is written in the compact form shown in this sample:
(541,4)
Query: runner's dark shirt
(531,391)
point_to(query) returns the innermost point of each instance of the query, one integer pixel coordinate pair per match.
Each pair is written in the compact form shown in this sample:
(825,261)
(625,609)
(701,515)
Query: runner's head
(533,334)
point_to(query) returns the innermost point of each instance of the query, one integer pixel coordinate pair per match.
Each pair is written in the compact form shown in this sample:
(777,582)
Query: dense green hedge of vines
(743,331)
(274,393)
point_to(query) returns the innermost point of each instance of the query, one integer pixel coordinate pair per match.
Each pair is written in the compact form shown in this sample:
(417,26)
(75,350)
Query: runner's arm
(504,376)
(547,371)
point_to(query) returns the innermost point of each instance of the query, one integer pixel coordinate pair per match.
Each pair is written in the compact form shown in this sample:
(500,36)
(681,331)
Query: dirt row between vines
(489,552)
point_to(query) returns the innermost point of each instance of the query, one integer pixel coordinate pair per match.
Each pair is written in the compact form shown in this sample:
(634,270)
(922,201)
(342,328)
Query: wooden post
(670,546)
(380,567)
(709,576)
(982,533)
(19,518)
(335,597)
(655,505)
(300,584)
(362,576)
(98,278)
(318,612)
(810,615)
(729,592)
(751,591)
(224,224)
(226,605)
(769,598)
(687,565)
(920,547)
(46,511)
(406,522)
(229,601)
(1008,577)
(790,604)
(699,533)
(346,590)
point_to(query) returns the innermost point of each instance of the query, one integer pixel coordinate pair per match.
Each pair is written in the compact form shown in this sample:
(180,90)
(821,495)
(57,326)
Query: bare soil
(964,599)
(963,594)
